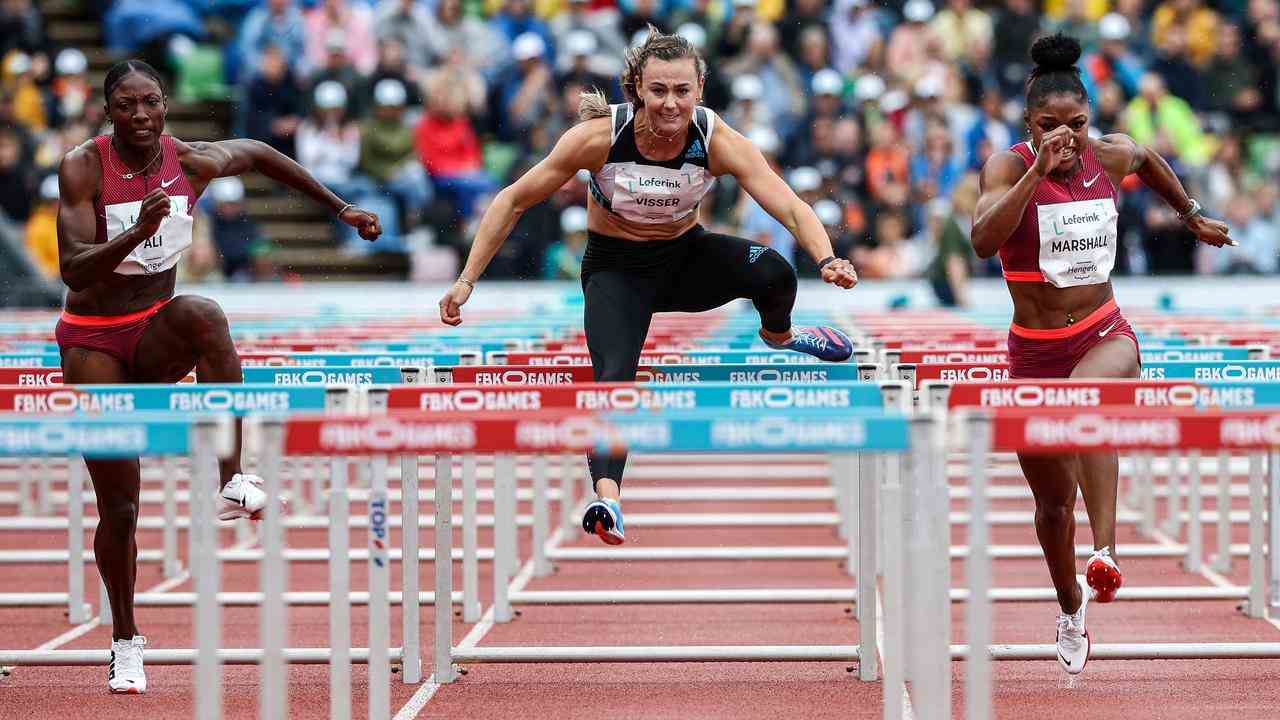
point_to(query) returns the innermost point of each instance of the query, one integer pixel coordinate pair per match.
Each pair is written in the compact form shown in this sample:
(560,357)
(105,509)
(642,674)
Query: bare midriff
(604,222)
(1041,306)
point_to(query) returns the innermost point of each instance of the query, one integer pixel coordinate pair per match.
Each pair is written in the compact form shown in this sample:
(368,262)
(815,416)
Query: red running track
(1108,689)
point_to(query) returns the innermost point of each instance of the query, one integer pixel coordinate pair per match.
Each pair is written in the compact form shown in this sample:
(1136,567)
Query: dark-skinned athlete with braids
(123,223)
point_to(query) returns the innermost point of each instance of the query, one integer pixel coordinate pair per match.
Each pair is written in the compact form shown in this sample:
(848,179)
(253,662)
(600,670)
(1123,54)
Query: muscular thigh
(114,481)
(1052,478)
(1114,358)
(716,270)
(618,307)
(167,351)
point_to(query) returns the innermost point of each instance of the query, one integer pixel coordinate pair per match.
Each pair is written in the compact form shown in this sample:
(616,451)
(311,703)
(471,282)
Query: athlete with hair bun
(652,159)
(1048,208)
(123,223)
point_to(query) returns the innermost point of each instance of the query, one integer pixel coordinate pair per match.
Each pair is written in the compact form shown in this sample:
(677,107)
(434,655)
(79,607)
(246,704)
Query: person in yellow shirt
(42,230)
(1199,22)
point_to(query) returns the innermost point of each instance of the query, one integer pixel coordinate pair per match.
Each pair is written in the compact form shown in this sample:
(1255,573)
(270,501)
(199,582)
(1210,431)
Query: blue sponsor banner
(188,398)
(1215,394)
(31,359)
(1254,370)
(822,432)
(373,359)
(323,375)
(431,346)
(1195,353)
(95,437)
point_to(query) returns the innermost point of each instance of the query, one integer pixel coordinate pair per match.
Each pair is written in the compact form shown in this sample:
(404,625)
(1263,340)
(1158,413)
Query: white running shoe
(242,497)
(124,674)
(1073,639)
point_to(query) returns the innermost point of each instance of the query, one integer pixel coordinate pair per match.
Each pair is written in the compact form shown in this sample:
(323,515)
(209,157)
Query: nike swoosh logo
(1092,180)
(164,184)
(1110,327)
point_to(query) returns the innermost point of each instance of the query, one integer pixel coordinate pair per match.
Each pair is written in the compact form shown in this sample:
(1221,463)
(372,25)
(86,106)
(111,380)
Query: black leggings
(625,282)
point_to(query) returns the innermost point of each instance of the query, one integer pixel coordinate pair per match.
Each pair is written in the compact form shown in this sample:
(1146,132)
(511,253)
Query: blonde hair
(594,104)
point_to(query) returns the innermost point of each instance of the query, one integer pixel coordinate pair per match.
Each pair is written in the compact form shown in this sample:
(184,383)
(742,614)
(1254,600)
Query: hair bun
(1055,52)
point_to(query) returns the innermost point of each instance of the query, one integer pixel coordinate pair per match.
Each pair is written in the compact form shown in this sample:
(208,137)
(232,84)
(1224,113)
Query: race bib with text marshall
(1078,242)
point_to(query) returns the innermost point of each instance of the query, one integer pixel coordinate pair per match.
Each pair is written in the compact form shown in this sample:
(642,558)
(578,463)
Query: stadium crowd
(878,114)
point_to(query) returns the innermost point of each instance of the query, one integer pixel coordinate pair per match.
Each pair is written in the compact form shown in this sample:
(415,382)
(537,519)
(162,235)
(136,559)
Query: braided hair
(1055,72)
(122,69)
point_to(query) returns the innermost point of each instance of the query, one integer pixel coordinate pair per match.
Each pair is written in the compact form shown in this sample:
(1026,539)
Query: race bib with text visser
(1078,242)
(653,193)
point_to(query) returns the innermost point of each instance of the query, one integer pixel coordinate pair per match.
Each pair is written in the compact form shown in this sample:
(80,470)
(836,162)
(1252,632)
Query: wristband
(823,263)
(345,208)
(1191,211)
(466,282)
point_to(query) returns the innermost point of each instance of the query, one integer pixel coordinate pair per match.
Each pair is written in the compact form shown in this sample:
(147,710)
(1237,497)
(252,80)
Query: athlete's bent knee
(204,320)
(773,272)
(119,518)
(1054,514)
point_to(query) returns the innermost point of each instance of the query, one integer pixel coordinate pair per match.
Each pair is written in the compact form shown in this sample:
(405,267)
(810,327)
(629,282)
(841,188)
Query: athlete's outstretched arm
(83,261)
(733,154)
(1155,173)
(235,157)
(585,145)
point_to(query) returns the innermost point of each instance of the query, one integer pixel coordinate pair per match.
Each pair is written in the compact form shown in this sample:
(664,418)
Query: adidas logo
(755,253)
(695,151)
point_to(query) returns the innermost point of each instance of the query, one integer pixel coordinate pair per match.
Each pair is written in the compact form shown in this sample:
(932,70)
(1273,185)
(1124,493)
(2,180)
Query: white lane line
(428,689)
(1209,574)
(908,712)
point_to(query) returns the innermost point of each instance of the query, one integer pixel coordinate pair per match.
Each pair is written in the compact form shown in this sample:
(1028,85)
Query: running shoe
(823,342)
(1073,639)
(1103,575)
(242,497)
(124,674)
(604,518)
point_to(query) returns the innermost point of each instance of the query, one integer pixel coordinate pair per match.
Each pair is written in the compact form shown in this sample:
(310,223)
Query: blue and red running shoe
(823,342)
(604,519)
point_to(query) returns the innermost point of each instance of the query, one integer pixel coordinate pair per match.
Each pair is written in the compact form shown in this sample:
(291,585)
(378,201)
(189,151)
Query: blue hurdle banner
(379,375)
(98,437)
(188,398)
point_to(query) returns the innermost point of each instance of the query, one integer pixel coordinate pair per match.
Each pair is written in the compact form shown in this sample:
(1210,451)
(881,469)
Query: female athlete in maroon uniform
(1048,208)
(124,221)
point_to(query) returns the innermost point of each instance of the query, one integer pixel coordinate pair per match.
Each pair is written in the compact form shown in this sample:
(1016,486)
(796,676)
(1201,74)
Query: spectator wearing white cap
(28,99)
(388,161)
(1114,60)
(70,87)
(237,238)
(580,64)
(964,30)
(516,18)
(603,24)
(353,23)
(563,259)
(328,141)
(913,43)
(337,67)
(526,91)
(715,89)
(746,111)
(700,22)
(393,64)
(827,91)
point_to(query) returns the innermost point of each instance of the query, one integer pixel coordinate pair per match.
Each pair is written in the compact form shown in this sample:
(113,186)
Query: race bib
(650,193)
(159,252)
(1078,242)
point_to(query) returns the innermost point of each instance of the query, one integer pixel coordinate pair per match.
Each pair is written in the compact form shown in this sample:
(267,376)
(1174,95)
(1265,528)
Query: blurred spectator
(17,177)
(28,99)
(1112,61)
(462,39)
(1135,12)
(782,90)
(913,42)
(746,112)
(948,272)
(832,219)
(449,148)
(21,27)
(1156,115)
(1078,19)
(1227,177)
(803,17)
(1086,10)
(715,88)
(392,65)
(1016,27)
(526,91)
(935,172)
(276,23)
(733,36)
(827,90)
(1197,23)
(813,55)
(1232,81)
(273,106)
(578,63)
(893,257)
(602,24)
(353,23)
(412,24)
(642,14)
(387,157)
(1180,76)
(857,36)
(337,67)
(41,235)
(516,18)
(564,258)
(70,88)
(1257,251)
(989,133)
(963,30)
(755,223)
(888,167)
(235,235)
(1110,102)
(328,141)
